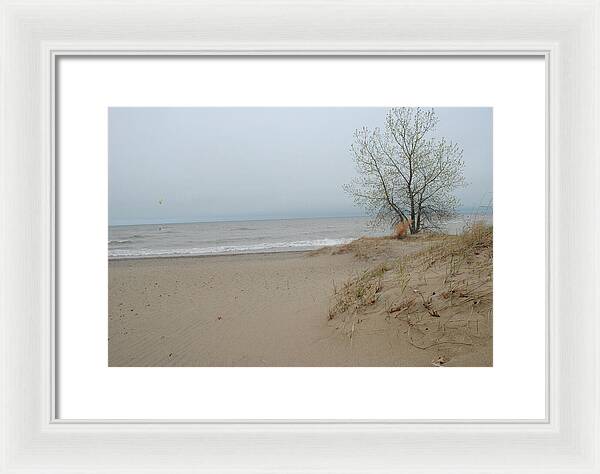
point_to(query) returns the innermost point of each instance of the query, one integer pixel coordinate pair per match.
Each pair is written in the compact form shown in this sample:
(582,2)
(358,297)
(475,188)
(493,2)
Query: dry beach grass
(439,298)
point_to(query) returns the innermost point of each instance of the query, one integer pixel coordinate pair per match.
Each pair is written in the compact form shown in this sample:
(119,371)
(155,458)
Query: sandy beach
(288,309)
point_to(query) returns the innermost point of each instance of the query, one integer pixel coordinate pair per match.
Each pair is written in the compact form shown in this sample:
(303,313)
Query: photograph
(300,236)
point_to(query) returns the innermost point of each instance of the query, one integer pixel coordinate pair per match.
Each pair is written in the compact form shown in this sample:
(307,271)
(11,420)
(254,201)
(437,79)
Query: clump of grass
(477,235)
(476,239)
(359,292)
(401,275)
(453,266)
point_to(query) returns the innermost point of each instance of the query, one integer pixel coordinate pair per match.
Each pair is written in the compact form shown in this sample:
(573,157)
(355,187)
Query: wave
(227,249)
(116,241)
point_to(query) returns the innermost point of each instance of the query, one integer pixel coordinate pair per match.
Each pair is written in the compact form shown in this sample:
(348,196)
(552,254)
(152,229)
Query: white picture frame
(34,35)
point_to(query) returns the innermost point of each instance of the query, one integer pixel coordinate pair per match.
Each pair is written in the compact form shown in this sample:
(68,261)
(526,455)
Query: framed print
(336,245)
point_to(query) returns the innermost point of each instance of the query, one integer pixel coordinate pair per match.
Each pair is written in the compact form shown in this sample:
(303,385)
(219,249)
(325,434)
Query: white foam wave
(228,249)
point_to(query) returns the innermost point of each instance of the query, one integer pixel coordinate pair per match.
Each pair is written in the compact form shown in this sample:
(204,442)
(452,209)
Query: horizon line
(251,219)
(200,221)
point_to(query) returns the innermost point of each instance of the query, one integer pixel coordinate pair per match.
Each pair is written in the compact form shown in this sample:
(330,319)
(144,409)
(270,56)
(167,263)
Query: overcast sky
(206,164)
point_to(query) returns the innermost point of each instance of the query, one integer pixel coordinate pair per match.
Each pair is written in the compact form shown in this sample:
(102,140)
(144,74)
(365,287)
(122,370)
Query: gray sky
(204,164)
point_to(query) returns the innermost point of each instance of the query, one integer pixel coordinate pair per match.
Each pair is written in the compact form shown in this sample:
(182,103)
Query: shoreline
(285,250)
(167,257)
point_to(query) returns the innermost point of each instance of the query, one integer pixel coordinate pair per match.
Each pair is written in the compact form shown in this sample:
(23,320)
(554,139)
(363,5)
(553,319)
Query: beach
(275,309)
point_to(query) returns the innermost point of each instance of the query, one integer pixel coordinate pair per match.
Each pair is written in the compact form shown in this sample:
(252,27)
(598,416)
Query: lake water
(218,238)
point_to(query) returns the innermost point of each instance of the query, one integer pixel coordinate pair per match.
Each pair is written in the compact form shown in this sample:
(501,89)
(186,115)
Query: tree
(406,173)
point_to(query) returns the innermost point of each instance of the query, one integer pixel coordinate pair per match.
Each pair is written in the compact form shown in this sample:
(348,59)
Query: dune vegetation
(435,289)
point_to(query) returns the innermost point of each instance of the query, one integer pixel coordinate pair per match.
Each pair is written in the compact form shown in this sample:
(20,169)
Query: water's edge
(243,237)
